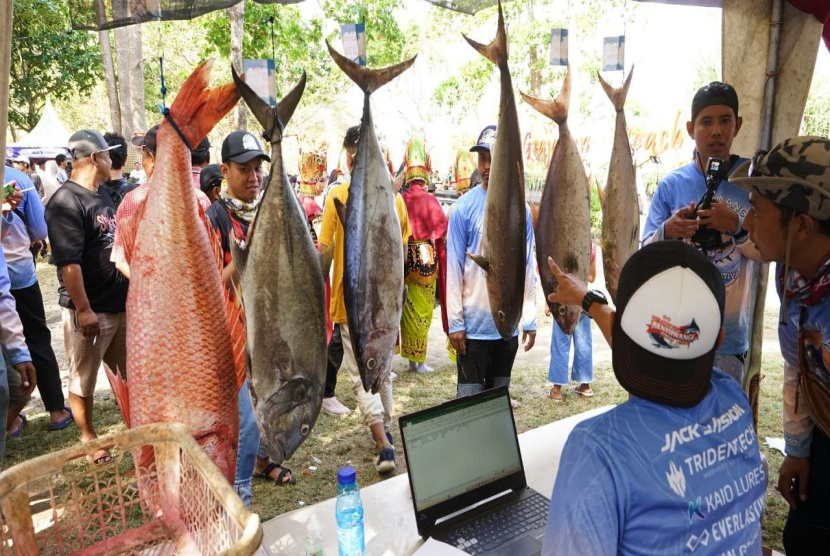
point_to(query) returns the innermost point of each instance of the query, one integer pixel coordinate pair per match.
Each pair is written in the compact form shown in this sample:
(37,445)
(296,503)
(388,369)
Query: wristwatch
(591,297)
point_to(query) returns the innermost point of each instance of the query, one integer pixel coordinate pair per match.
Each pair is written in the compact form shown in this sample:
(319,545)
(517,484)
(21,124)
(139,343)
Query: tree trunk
(109,74)
(122,65)
(139,120)
(535,74)
(237,16)
(5,72)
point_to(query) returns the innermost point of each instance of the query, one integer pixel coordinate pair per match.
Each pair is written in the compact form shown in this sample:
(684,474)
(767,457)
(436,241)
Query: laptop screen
(460,446)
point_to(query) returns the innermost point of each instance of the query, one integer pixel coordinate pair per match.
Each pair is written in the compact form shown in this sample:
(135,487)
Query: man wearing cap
(210,181)
(117,185)
(714,125)
(138,176)
(376,409)
(484,359)
(199,158)
(93,294)
(675,469)
(789,222)
(134,198)
(231,216)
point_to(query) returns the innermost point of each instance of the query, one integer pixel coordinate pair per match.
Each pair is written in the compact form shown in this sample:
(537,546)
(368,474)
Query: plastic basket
(59,504)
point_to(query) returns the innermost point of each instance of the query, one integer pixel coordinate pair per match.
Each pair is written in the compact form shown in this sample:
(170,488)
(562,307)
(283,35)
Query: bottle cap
(346,475)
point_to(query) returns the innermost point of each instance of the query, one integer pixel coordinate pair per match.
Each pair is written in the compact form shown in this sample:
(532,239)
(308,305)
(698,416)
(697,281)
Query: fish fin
(481,261)
(617,96)
(341,211)
(556,109)
(197,108)
(369,80)
(240,257)
(326,257)
(600,194)
(263,112)
(496,51)
(239,335)
(120,392)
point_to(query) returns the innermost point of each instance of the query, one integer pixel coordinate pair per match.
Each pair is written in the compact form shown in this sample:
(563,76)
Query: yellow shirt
(332,229)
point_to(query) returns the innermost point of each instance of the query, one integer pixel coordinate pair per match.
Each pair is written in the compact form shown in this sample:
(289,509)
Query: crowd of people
(679,334)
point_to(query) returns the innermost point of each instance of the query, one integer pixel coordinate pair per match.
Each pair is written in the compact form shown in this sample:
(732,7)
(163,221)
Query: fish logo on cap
(664,334)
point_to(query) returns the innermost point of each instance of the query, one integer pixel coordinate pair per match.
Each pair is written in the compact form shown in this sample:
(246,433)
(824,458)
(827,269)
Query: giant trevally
(373,250)
(620,208)
(282,290)
(503,240)
(180,343)
(564,227)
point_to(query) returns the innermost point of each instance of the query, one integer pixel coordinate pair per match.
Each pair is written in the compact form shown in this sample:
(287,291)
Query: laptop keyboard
(496,528)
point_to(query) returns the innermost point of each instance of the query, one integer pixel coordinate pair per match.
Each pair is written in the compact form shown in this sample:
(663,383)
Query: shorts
(85,353)
(16,398)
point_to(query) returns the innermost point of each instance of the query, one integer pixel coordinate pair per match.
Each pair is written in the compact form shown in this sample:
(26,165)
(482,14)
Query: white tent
(47,140)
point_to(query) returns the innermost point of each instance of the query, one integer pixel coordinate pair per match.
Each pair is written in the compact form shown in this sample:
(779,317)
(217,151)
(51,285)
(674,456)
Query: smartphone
(8,189)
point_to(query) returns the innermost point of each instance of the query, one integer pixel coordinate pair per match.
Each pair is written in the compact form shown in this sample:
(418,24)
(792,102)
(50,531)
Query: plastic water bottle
(349,514)
(313,539)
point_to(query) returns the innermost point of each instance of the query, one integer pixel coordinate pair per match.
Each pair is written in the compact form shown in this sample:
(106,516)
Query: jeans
(250,446)
(560,349)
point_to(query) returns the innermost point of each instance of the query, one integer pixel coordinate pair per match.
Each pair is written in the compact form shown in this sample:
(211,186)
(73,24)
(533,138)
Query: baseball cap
(485,139)
(670,302)
(241,147)
(794,174)
(210,177)
(21,158)
(715,94)
(148,140)
(87,141)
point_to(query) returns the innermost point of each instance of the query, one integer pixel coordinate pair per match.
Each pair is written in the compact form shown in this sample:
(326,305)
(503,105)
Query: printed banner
(260,75)
(613,53)
(354,42)
(558,47)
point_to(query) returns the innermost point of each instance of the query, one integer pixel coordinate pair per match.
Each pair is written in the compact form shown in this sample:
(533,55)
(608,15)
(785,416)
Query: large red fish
(181,344)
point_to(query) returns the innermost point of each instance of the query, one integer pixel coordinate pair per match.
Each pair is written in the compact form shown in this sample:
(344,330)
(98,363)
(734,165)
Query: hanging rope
(163,106)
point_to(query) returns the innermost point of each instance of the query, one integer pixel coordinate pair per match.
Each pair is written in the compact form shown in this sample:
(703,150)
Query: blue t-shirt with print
(688,184)
(651,479)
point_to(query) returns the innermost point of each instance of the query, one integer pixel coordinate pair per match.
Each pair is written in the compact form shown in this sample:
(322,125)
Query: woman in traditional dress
(313,181)
(429,228)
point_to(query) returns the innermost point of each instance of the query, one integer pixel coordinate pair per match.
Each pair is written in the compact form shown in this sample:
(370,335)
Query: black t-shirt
(118,189)
(225,224)
(81,230)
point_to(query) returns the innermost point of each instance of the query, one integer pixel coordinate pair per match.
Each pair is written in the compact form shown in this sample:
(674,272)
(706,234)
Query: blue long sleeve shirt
(18,235)
(688,184)
(468,304)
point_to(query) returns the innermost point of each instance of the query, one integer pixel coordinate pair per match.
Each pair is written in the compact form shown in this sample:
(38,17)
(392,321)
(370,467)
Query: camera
(717,170)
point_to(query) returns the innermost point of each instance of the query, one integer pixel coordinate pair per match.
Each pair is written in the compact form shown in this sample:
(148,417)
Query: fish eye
(501,316)
(371,363)
(305,429)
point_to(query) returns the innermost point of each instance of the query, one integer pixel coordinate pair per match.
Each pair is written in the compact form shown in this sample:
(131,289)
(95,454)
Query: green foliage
(817,111)
(298,45)
(47,60)
(596,210)
(465,89)
(386,42)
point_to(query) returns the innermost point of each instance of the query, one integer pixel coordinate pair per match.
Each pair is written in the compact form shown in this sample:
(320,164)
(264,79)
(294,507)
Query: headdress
(417,162)
(312,168)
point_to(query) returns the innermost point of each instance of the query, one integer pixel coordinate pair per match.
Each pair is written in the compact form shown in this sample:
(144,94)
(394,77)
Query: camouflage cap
(794,174)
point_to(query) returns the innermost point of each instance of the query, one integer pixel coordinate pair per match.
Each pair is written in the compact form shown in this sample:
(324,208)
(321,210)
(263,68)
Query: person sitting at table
(677,466)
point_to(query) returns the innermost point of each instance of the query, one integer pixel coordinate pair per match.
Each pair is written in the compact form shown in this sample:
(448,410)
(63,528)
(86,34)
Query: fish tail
(263,112)
(556,109)
(120,392)
(369,80)
(617,96)
(496,51)
(197,108)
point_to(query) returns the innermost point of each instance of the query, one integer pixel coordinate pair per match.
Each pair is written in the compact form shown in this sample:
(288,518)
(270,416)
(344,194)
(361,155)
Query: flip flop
(578,389)
(62,424)
(279,480)
(19,430)
(556,399)
(102,459)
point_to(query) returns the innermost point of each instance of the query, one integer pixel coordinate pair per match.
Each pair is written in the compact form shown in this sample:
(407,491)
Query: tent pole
(5,72)
(753,375)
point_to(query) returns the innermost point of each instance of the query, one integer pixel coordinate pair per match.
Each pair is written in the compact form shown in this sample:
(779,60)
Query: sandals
(280,478)
(19,430)
(101,457)
(62,424)
(579,389)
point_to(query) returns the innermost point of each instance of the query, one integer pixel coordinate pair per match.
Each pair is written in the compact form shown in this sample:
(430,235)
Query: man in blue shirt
(676,469)
(715,123)
(789,222)
(484,359)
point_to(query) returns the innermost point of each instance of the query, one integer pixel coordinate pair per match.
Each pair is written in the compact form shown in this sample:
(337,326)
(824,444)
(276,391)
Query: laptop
(467,479)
